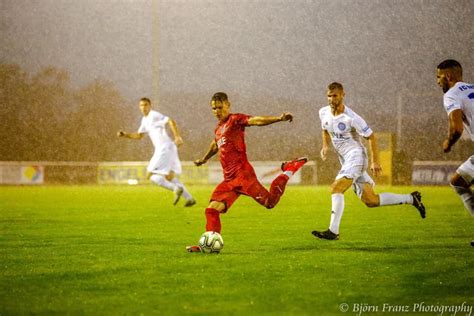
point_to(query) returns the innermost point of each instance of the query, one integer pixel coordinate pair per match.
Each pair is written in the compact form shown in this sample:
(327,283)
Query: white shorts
(354,166)
(164,160)
(466,170)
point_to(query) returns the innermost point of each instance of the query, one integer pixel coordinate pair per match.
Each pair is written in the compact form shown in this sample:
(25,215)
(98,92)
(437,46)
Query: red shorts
(246,183)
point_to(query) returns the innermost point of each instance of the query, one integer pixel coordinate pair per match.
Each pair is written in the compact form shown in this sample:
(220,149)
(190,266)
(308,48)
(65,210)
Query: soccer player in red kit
(239,175)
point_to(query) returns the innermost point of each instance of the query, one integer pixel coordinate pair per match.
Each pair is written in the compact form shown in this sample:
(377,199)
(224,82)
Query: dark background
(72,72)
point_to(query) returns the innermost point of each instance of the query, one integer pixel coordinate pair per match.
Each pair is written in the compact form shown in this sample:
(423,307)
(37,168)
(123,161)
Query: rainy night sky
(269,56)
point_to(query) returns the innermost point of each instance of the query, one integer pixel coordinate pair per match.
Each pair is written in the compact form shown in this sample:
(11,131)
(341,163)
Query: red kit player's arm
(266,120)
(213,149)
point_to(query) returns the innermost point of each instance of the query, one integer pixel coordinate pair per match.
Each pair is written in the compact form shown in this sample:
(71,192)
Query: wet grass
(119,249)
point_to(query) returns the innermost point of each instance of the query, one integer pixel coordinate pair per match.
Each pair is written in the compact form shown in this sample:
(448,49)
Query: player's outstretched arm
(174,129)
(213,149)
(130,135)
(266,120)
(374,156)
(454,131)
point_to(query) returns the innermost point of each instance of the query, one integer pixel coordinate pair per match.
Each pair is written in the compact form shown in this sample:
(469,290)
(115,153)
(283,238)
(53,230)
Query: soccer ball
(211,242)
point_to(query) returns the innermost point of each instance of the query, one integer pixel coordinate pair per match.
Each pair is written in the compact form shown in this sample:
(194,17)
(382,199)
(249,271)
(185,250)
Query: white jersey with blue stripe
(461,97)
(344,129)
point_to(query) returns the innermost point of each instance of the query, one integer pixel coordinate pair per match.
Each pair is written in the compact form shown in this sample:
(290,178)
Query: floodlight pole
(399,120)
(155,52)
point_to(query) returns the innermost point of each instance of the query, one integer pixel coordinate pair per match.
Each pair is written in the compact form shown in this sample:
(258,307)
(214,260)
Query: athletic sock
(186,193)
(337,211)
(277,188)
(278,185)
(161,181)
(213,221)
(395,199)
(466,197)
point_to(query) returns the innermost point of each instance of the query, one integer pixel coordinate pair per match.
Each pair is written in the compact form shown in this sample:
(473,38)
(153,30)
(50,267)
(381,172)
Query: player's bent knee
(341,186)
(170,176)
(336,189)
(458,181)
(460,190)
(370,202)
(269,206)
(218,206)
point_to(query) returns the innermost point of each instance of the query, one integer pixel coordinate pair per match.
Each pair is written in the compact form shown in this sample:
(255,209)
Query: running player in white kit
(343,126)
(459,105)
(164,166)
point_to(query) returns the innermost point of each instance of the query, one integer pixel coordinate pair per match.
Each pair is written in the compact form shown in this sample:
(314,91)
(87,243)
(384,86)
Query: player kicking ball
(239,175)
(342,126)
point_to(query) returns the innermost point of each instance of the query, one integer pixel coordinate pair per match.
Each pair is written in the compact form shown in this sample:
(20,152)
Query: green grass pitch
(121,250)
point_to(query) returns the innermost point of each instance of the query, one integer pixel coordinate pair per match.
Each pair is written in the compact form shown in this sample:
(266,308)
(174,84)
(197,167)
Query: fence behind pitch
(130,172)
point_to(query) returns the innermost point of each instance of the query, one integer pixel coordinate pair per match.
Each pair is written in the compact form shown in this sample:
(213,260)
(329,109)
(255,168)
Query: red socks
(276,191)
(213,220)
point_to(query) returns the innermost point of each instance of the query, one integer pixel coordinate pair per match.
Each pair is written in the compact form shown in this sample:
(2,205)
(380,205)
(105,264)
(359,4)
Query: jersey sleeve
(361,126)
(159,119)
(165,119)
(450,103)
(241,119)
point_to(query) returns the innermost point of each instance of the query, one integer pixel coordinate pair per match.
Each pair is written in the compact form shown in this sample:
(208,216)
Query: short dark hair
(146,100)
(219,97)
(335,85)
(451,64)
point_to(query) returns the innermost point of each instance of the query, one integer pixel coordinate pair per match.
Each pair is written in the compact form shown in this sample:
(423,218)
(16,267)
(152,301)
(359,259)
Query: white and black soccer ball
(211,242)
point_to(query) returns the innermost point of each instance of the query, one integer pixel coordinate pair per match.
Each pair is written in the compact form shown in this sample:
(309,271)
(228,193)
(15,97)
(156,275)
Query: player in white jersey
(459,105)
(343,126)
(164,166)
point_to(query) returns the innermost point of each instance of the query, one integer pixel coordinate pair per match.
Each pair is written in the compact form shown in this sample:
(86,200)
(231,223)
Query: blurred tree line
(43,118)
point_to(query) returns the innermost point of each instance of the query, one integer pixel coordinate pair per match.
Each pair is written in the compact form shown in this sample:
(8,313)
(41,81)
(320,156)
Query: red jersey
(230,139)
